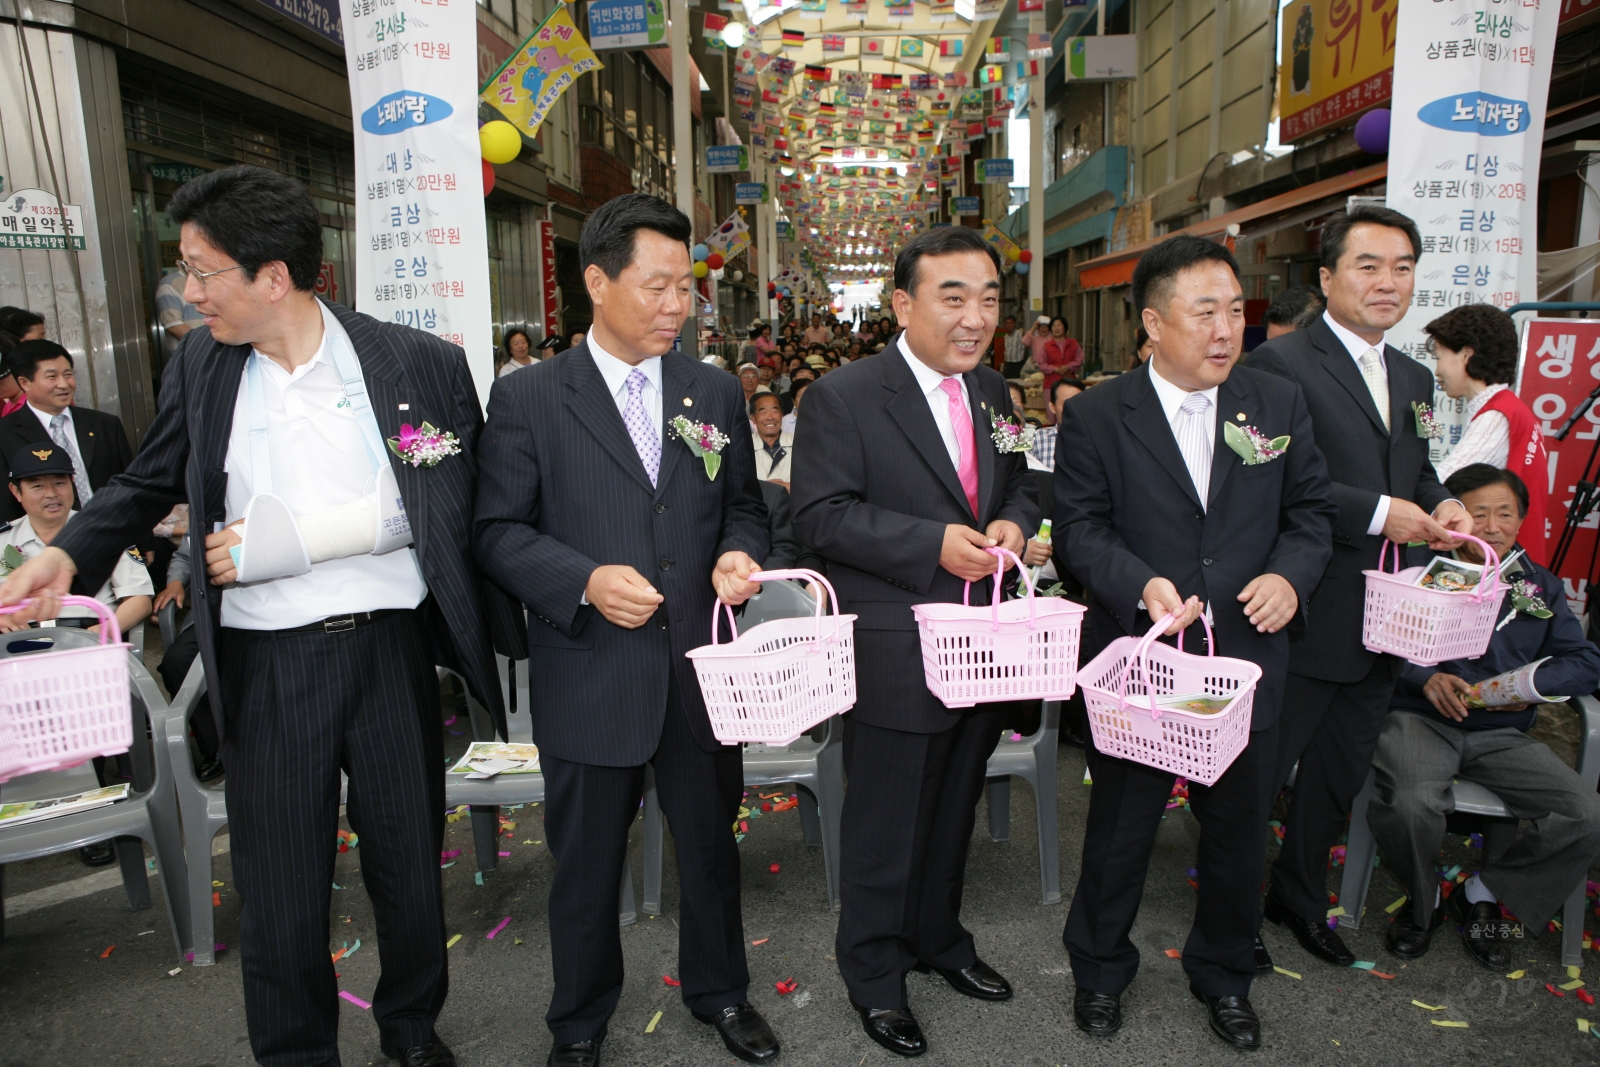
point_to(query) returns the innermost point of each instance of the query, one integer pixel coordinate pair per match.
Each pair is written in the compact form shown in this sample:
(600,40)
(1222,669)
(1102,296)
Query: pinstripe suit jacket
(563,491)
(184,455)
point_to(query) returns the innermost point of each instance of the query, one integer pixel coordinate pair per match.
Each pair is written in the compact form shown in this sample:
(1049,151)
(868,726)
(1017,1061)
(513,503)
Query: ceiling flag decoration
(910,48)
(1039,46)
(999,50)
(950,48)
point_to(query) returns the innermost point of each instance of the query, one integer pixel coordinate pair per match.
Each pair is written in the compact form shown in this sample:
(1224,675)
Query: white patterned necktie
(1377,383)
(61,434)
(1193,442)
(646,438)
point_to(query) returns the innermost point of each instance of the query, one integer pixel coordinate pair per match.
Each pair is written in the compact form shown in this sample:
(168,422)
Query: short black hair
(763,396)
(526,336)
(18,321)
(607,240)
(1488,331)
(1152,278)
(1477,475)
(1336,231)
(941,242)
(1292,305)
(23,361)
(256,216)
(1059,382)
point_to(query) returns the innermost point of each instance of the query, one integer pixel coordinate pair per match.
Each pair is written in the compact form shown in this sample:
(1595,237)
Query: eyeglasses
(201,275)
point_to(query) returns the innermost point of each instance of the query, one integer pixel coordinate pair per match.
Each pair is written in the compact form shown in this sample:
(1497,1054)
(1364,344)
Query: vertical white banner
(1470,84)
(422,254)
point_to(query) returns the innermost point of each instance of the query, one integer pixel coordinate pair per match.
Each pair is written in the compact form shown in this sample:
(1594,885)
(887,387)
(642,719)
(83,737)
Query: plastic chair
(204,810)
(1033,758)
(1500,832)
(167,620)
(814,763)
(150,813)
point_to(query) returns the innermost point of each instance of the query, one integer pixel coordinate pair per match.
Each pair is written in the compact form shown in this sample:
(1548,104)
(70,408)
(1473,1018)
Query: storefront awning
(1116,268)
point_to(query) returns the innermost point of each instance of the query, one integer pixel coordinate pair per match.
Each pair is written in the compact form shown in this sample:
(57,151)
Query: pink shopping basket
(60,708)
(1121,685)
(1020,650)
(1429,626)
(777,680)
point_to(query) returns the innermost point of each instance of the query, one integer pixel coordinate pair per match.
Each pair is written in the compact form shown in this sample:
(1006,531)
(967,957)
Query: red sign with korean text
(544,233)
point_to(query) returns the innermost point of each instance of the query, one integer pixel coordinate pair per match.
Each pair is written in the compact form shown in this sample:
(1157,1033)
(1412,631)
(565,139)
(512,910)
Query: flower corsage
(704,440)
(1525,598)
(1010,434)
(1253,446)
(1429,428)
(425,445)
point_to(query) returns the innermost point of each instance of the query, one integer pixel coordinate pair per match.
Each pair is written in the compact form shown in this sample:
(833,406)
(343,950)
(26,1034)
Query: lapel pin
(688,403)
(405,407)
(1240,416)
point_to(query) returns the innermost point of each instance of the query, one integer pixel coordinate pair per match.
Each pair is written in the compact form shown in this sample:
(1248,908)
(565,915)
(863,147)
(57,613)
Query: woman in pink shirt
(1056,354)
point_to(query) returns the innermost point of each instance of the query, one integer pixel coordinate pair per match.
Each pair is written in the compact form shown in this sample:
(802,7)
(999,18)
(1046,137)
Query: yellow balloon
(499,141)
(1013,254)
(701,269)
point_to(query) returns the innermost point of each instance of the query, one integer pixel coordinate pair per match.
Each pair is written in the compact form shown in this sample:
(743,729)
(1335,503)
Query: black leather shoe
(980,981)
(1314,936)
(896,1029)
(432,1054)
(1233,1019)
(1264,963)
(577,1054)
(1099,1014)
(745,1032)
(1487,936)
(1407,938)
(99,854)
(210,770)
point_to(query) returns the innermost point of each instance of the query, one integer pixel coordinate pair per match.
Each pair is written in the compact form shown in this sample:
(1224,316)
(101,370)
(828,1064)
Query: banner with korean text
(1464,143)
(421,246)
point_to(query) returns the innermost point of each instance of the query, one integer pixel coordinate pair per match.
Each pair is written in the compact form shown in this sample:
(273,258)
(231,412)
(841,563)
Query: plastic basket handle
(1141,654)
(1489,584)
(1000,553)
(110,632)
(778,576)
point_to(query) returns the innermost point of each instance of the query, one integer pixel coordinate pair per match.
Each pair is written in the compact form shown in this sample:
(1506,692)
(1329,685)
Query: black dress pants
(909,808)
(587,812)
(301,707)
(1126,803)
(1332,730)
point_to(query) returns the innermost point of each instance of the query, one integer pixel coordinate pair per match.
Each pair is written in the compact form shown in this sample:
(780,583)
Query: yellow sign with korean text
(1338,61)
(525,88)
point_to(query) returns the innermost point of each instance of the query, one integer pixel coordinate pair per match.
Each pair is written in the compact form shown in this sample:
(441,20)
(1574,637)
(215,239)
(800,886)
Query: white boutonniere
(1429,428)
(704,440)
(1010,434)
(1253,446)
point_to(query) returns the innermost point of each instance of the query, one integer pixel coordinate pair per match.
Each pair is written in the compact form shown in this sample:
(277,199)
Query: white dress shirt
(319,462)
(1487,439)
(615,372)
(128,578)
(1357,346)
(929,381)
(1172,398)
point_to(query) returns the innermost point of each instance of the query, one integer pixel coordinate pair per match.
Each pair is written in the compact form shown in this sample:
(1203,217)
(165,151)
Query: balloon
(1012,254)
(699,252)
(715,261)
(701,270)
(1022,268)
(499,141)
(738,275)
(1372,132)
(1026,257)
(488,177)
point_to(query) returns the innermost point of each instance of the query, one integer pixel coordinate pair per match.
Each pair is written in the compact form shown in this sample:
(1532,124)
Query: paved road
(66,1005)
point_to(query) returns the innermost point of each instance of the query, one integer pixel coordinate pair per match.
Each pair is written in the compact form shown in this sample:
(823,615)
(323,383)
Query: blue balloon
(1022,268)
(700,253)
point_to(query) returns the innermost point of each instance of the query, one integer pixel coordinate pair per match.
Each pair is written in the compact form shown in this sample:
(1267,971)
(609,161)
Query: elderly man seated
(1451,721)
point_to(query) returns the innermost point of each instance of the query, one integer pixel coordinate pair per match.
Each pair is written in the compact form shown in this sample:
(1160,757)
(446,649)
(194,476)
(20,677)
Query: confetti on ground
(1553,990)
(503,855)
(763,941)
(1086,779)
(803,999)
(1385,975)
(450,855)
(669,980)
(451,721)
(216,898)
(1363,965)
(336,885)
(353,949)
(143,932)
(337,956)
(774,868)
(650,1027)
(447,866)
(216,885)
(1583,1026)
(1514,975)
(1576,983)
(501,926)
(452,942)
(516,941)
(1449,1022)
(1574,972)
(784,988)
(174,972)
(1334,913)
(1397,905)
(1428,1007)
(108,951)
(1174,954)
(1586,996)
(477,876)
(1291,974)
(357,1001)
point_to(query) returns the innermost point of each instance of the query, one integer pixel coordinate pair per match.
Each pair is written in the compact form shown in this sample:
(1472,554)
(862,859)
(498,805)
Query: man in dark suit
(326,662)
(898,485)
(1364,398)
(1161,509)
(96,439)
(588,487)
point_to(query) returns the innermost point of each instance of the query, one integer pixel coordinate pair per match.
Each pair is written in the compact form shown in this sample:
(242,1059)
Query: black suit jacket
(563,491)
(1365,462)
(184,454)
(873,491)
(102,442)
(1127,511)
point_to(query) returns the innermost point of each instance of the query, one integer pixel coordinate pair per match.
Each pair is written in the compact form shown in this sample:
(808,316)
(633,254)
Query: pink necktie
(961,422)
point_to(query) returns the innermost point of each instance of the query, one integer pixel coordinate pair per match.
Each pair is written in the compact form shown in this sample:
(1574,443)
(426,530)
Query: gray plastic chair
(814,763)
(150,813)
(204,809)
(1033,759)
(1499,833)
